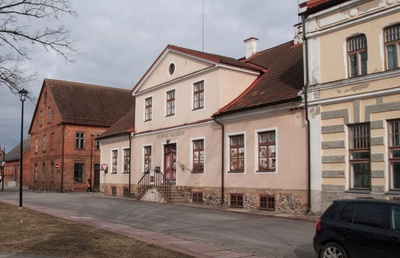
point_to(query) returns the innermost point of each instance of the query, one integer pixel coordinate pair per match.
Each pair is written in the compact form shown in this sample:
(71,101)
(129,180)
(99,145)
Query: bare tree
(18,22)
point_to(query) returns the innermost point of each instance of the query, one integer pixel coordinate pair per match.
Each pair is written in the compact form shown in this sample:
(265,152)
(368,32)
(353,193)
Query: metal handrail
(158,180)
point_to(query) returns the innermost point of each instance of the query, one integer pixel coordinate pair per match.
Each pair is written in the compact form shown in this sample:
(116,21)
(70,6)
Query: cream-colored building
(217,130)
(353,83)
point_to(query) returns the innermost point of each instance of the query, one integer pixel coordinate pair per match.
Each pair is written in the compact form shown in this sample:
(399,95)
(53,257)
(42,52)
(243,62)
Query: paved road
(246,232)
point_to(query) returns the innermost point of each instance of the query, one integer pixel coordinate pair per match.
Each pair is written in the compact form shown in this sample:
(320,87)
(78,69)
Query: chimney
(298,33)
(251,46)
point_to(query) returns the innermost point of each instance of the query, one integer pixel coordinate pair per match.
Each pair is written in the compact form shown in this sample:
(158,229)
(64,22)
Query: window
(148,109)
(43,172)
(44,143)
(236,200)
(198,95)
(147,158)
(126,192)
(267,202)
(367,214)
(236,153)
(357,55)
(113,191)
(392,46)
(36,145)
(41,118)
(127,159)
(394,154)
(114,161)
(360,156)
(80,140)
(171,69)
(79,172)
(97,143)
(49,114)
(197,197)
(35,176)
(198,156)
(171,103)
(52,173)
(266,151)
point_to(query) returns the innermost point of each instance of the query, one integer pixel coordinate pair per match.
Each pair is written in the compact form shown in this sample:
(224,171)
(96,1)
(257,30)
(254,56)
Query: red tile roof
(281,82)
(124,126)
(86,104)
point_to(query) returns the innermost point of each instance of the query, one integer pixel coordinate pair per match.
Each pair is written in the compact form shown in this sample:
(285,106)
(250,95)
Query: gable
(182,65)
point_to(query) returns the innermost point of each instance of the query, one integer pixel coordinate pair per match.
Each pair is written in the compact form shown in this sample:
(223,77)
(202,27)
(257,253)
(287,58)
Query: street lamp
(22,97)
(91,160)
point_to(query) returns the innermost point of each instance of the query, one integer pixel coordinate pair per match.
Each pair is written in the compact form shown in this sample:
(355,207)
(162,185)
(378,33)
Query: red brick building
(68,117)
(11,165)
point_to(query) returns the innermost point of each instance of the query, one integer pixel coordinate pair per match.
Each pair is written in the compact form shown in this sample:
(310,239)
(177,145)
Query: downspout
(222,161)
(305,90)
(62,158)
(130,162)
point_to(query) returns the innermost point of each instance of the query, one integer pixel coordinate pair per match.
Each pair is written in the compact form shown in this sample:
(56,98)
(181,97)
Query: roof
(313,6)
(125,125)
(14,154)
(281,82)
(87,104)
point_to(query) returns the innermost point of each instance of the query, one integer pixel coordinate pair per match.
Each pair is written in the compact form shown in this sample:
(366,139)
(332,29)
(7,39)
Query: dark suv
(359,228)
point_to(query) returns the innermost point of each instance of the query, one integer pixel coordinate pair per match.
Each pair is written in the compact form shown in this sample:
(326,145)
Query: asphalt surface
(200,231)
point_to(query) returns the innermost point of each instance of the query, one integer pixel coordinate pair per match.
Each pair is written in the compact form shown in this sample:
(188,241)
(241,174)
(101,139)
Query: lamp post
(22,97)
(91,160)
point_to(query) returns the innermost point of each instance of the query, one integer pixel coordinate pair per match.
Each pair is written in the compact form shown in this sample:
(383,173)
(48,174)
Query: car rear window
(395,218)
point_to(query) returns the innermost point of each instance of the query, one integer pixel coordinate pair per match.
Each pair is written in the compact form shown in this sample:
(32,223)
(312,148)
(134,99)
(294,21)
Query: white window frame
(191,154)
(112,160)
(228,157)
(123,158)
(144,109)
(142,158)
(204,90)
(256,132)
(165,103)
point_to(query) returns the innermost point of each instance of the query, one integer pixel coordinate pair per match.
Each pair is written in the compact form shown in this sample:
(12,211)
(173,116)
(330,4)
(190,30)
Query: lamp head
(23,94)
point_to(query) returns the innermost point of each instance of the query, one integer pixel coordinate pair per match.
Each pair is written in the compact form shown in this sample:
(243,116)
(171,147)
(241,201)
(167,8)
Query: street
(246,232)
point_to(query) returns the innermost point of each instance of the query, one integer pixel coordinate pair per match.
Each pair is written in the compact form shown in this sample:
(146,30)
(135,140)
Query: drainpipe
(222,160)
(306,84)
(130,159)
(62,157)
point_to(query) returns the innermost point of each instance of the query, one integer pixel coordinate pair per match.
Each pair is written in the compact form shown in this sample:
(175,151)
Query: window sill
(113,173)
(393,192)
(265,171)
(236,172)
(197,172)
(359,191)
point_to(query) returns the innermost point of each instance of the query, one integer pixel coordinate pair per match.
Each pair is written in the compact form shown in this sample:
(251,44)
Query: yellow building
(353,85)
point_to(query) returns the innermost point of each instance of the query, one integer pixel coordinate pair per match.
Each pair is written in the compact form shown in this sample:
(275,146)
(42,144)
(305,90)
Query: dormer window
(357,55)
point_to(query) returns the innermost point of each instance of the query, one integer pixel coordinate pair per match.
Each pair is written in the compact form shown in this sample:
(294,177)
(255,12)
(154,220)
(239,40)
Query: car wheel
(332,250)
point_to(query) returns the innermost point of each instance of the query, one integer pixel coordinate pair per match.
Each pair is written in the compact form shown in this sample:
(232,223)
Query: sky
(117,41)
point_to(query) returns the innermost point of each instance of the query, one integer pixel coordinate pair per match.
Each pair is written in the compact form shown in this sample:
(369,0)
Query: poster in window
(271,163)
(201,155)
(233,165)
(263,163)
(271,150)
(233,153)
(263,152)
(241,152)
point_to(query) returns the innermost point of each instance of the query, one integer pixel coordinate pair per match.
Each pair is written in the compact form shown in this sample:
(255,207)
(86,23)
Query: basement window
(267,202)
(197,197)
(236,200)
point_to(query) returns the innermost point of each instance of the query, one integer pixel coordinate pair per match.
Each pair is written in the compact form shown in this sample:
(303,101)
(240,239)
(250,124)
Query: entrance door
(170,162)
(96,177)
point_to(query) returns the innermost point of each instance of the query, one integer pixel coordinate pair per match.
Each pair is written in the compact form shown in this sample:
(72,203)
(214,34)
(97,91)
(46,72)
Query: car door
(393,235)
(362,227)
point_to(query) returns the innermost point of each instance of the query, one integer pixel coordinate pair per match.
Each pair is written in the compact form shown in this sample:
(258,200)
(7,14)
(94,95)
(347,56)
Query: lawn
(30,232)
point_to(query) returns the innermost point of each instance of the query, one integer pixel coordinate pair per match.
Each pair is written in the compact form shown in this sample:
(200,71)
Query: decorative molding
(333,159)
(332,145)
(378,188)
(378,157)
(356,105)
(334,188)
(376,125)
(378,174)
(377,141)
(385,107)
(333,174)
(332,129)
(336,114)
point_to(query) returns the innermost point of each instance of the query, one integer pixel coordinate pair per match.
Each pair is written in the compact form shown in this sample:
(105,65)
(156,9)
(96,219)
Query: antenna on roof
(202,35)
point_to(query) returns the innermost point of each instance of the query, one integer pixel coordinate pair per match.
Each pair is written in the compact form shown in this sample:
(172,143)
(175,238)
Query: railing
(156,179)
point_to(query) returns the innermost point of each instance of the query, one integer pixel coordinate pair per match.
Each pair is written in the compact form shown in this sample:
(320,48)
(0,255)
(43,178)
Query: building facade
(196,123)
(68,117)
(352,78)
(11,167)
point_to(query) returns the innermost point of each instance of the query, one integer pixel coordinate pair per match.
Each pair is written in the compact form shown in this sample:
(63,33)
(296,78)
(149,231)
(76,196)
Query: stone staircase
(156,194)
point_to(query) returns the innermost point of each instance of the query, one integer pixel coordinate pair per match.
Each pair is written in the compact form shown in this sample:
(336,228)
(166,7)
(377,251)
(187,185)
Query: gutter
(222,160)
(130,159)
(306,84)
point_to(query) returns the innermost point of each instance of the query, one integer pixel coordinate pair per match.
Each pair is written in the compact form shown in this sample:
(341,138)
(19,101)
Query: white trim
(173,129)
(256,132)
(192,91)
(144,121)
(227,153)
(175,102)
(118,163)
(142,158)
(191,154)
